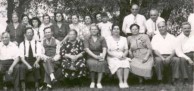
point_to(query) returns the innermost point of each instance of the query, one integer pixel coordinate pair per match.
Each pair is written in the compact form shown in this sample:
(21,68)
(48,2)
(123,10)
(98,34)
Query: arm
(148,44)
(124,25)
(91,53)
(57,55)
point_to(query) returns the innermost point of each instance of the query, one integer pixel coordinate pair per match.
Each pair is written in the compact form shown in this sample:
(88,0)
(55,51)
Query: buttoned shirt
(152,27)
(9,51)
(105,29)
(164,45)
(131,19)
(181,40)
(37,48)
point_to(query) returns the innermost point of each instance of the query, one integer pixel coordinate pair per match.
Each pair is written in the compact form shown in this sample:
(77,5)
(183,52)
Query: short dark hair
(104,14)
(134,25)
(47,28)
(60,14)
(45,15)
(27,28)
(25,15)
(35,18)
(90,17)
(115,24)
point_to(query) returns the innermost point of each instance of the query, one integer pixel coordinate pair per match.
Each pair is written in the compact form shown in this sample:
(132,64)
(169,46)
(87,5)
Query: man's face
(48,33)
(186,30)
(162,28)
(5,38)
(29,34)
(46,20)
(135,9)
(154,15)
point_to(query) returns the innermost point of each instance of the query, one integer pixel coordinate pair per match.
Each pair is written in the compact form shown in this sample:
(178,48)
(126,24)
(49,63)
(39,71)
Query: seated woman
(95,47)
(117,56)
(141,53)
(73,62)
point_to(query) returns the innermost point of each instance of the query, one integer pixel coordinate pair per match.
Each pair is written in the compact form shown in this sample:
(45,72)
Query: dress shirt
(191,21)
(38,34)
(152,27)
(131,19)
(164,45)
(38,47)
(9,51)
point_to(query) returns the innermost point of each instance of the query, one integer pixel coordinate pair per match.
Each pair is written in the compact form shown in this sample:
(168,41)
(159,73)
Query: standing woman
(25,20)
(76,25)
(38,34)
(96,47)
(16,30)
(85,33)
(60,29)
(141,53)
(117,56)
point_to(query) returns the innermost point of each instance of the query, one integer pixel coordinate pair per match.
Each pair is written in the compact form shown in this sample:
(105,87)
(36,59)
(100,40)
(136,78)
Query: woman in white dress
(117,56)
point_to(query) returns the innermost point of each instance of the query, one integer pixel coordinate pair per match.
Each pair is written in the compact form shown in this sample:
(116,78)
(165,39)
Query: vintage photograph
(96,45)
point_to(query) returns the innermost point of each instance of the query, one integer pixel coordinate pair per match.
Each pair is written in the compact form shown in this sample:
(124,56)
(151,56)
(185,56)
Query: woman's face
(88,19)
(35,23)
(46,20)
(58,17)
(74,19)
(134,30)
(25,20)
(72,36)
(15,18)
(116,30)
(94,30)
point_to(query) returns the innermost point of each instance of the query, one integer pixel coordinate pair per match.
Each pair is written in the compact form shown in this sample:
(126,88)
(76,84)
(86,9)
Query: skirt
(114,64)
(97,66)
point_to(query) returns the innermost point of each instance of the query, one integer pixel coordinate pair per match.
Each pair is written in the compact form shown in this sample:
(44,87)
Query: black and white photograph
(96,45)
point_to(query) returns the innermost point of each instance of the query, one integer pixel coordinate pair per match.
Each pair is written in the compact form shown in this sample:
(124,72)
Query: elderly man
(186,56)
(9,61)
(164,48)
(30,53)
(151,24)
(132,18)
(51,57)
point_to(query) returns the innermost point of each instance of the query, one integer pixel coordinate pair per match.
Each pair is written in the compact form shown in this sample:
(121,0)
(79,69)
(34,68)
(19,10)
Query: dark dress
(79,65)
(16,34)
(60,33)
(97,48)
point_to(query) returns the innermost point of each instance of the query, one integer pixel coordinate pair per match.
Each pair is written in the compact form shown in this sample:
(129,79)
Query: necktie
(30,53)
(135,21)
(155,26)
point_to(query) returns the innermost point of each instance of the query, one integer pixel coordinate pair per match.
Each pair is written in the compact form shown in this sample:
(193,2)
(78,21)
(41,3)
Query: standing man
(164,49)
(185,55)
(30,53)
(132,18)
(9,61)
(152,22)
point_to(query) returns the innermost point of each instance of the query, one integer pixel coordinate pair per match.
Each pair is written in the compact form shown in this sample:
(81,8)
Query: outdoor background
(173,11)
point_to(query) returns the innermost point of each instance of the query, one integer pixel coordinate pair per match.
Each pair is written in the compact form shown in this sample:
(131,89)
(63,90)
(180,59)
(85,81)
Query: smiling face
(154,15)
(186,29)
(72,36)
(35,23)
(29,34)
(25,20)
(59,17)
(116,30)
(94,30)
(46,20)
(162,28)
(98,18)
(5,38)
(48,33)
(134,30)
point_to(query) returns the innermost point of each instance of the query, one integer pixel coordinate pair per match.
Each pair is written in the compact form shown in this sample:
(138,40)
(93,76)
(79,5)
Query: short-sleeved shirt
(164,45)
(97,46)
(9,51)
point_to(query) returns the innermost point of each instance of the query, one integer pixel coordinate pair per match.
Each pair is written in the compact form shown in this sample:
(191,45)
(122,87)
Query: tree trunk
(10,8)
(166,13)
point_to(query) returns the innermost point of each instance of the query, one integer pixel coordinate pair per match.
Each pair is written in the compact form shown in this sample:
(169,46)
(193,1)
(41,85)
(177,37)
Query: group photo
(96,45)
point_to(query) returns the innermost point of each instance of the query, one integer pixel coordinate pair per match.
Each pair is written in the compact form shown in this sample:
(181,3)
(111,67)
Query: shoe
(92,85)
(125,85)
(99,85)
(121,85)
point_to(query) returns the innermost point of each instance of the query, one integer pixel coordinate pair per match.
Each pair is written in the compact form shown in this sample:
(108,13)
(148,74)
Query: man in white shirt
(186,57)
(132,18)
(51,57)
(164,48)
(9,61)
(30,53)
(105,26)
(151,24)
(191,21)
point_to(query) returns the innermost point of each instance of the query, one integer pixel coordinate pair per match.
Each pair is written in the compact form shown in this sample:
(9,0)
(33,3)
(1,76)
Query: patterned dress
(79,66)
